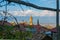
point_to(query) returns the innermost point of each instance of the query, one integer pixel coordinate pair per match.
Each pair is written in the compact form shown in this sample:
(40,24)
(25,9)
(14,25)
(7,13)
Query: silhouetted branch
(31,5)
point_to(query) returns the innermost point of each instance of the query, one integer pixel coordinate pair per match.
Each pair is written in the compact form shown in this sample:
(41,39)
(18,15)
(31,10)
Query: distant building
(31,20)
(13,23)
(38,22)
(49,27)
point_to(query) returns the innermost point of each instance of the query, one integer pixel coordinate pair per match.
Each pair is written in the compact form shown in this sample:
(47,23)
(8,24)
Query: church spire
(38,22)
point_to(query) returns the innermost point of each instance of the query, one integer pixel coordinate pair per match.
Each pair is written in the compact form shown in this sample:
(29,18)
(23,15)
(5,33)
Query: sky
(44,16)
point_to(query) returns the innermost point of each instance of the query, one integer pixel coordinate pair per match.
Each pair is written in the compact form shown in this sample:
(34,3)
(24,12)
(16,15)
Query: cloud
(48,13)
(32,13)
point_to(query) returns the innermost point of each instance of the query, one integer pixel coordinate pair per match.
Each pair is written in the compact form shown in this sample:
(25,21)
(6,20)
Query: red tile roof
(54,30)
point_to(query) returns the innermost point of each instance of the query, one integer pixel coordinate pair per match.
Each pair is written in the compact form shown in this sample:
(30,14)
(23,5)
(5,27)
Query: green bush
(7,34)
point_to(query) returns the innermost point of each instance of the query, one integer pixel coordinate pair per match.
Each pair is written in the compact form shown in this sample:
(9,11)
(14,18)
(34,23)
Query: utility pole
(57,20)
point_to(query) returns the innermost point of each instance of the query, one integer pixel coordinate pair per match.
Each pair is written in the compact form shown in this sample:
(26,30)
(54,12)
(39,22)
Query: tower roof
(30,16)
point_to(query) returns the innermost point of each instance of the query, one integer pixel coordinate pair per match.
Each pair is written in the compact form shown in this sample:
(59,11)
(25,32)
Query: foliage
(29,26)
(7,32)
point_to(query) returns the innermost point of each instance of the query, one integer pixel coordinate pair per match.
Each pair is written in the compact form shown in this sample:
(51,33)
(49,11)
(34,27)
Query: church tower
(31,20)
(38,22)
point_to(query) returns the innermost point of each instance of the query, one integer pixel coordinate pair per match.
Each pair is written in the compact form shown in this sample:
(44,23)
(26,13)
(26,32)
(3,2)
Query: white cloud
(33,13)
(47,13)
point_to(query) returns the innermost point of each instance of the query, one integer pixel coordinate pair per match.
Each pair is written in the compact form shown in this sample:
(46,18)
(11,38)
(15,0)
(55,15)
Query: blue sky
(44,16)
